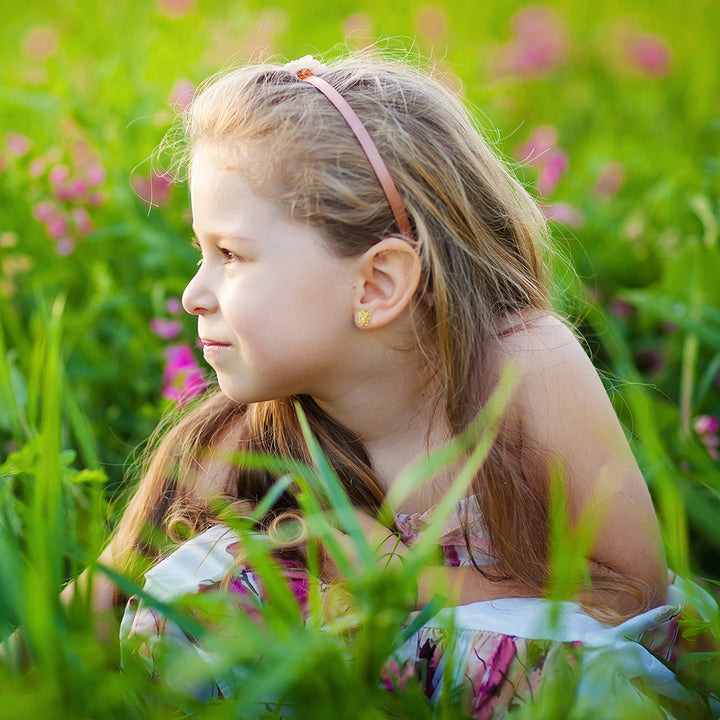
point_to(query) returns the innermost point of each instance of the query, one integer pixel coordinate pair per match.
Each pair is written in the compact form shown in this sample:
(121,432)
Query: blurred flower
(540,151)
(17,144)
(182,94)
(8,239)
(431,22)
(36,167)
(538,45)
(649,361)
(183,379)
(58,174)
(43,211)
(82,220)
(551,170)
(610,178)
(620,308)
(707,426)
(359,29)
(95,174)
(174,306)
(154,189)
(564,213)
(649,54)
(540,142)
(56,225)
(95,198)
(64,246)
(166,329)
(40,43)
(175,8)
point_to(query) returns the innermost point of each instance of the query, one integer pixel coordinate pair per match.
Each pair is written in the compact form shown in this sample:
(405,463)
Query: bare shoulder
(539,342)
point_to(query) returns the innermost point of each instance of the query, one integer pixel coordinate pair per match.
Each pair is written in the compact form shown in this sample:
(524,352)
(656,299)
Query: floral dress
(494,654)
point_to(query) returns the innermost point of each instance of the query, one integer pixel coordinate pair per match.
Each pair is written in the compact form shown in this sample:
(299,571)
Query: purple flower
(166,329)
(620,308)
(82,220)
(64,246)
(706,424)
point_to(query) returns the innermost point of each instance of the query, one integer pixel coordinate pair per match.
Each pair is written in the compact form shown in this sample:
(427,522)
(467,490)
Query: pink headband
(368,146)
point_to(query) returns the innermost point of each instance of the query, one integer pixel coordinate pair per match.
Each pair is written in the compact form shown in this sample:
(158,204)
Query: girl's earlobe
(389,276)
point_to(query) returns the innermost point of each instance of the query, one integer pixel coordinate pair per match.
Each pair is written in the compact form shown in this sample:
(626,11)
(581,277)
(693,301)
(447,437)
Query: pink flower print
(538,45)
(182,94)
(182,377)
(154,190)
(564,213)
(17,144)
(610,179)
(166,329)
(394,677)
(649,54)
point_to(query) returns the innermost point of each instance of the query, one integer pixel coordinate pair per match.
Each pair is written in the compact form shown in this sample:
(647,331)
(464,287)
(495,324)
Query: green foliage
(86,264)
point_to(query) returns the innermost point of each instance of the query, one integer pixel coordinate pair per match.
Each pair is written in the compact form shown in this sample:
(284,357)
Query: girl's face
(274,304)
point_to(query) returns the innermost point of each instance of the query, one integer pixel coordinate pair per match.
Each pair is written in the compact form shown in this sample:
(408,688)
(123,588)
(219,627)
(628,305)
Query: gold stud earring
(363,318)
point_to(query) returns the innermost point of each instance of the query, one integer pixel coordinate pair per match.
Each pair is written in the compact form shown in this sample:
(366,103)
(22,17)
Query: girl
(365,255)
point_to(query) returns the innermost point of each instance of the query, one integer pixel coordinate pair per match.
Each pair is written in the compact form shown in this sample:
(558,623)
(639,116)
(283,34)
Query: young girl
(365,255)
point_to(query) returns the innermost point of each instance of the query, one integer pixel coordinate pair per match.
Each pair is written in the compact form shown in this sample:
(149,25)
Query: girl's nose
(197,299)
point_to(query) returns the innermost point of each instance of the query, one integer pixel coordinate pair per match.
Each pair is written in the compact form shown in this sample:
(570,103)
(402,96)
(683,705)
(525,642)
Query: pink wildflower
(551,170)
(17,144)
(649,54)
(95,198)
(95,174)
(182,94)
(183,379)
(58,174)
(166,329)
(541,141)
(64,246)
(43,211)
(40,43)
(538,45)
(36,168)
(431,22)
(394,677)
(154,189)
(56,225)
(610,179)
(173,306)
(707,426)
(564,213)
(175,8)
(82,220)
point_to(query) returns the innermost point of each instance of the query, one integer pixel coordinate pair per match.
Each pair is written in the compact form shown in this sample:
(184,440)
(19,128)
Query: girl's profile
(366,262)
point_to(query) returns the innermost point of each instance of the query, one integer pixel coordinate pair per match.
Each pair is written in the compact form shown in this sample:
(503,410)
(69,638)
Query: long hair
(482,243)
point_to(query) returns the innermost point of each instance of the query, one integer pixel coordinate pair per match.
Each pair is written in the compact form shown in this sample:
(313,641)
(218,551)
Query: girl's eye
(229,256)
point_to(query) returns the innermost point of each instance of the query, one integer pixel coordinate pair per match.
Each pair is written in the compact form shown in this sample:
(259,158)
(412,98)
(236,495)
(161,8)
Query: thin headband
(368,146)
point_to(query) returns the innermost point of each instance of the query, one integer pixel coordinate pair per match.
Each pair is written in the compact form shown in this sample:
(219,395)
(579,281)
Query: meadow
(609,113)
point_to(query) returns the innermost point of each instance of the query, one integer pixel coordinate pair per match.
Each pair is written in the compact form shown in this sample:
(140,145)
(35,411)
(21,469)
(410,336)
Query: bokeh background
(609,112)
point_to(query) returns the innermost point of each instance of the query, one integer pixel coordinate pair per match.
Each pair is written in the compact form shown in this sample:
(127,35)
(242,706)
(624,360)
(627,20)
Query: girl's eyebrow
(218,237)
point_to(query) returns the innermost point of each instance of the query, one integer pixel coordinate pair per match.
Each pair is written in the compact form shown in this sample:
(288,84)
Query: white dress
(498,653)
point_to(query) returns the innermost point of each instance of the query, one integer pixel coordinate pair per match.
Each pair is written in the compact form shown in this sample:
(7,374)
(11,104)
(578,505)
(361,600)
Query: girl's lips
(212,347)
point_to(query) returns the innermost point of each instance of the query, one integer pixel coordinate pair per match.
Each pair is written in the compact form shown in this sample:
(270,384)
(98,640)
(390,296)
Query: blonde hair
(481,240)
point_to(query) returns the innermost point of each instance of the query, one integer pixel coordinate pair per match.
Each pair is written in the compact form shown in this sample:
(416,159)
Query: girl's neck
(398,418)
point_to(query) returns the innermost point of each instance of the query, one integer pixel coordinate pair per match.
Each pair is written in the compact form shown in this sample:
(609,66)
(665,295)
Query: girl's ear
(389,275)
